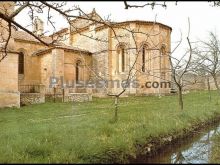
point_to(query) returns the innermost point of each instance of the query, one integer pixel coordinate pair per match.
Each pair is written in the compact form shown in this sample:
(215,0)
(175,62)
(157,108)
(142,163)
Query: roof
(133,21)
(80,22)
(141,21)
(62,46)
(83,20)
(114,24)
(60,31)
(21,35)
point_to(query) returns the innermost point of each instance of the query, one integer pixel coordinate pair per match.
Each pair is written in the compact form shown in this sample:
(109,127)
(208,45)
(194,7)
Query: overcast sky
(203,16)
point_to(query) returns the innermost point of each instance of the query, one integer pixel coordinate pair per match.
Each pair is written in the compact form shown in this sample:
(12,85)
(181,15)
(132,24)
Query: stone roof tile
(21,35)
(62,46)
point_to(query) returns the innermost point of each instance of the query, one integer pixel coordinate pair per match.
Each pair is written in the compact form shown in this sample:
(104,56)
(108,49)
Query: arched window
(163,62)
(78,70)
(143,59)
(163,57)
(21,63)
(121,59)
(146,59)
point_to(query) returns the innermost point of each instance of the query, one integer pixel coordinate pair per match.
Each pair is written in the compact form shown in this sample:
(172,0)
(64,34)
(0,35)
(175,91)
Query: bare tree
(207,57)
(44,9)
(152,4)
(180,66)
(215,3)
(161,3)
(132,51)
(69,13)
(200,73)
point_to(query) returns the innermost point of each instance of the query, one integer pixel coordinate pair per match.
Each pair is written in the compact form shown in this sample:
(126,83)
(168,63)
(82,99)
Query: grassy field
(84,132)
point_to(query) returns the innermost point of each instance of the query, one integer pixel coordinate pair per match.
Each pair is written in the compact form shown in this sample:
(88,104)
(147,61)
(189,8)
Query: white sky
(203,17)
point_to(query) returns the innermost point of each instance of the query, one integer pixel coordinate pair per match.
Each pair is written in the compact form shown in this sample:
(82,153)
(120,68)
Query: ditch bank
(154,145)
(160,144)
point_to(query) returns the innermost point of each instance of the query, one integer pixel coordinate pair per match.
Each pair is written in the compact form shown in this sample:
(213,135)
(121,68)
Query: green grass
(84,132)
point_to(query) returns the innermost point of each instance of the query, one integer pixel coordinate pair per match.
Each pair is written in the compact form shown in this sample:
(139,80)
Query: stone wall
(154,66)
(32,71)
(46,68)
(78,97)
(32,98)
(193,82)
(70,60)
(100,49)
(51,65)
(212,83)
(9,99)
(9,95)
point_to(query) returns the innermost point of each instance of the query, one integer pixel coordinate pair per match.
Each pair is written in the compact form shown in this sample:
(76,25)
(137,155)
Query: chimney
(93,10)
(38,27)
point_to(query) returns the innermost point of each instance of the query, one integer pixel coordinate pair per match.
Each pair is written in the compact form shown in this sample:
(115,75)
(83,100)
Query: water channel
(194,149)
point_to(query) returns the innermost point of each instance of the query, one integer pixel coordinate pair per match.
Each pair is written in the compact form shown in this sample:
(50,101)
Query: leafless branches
(181,66)
(215,3)
(35,8)
(207,57)
(118,32)
(152,4)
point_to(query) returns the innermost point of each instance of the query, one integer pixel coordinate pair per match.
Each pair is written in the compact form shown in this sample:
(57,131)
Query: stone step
(78,97)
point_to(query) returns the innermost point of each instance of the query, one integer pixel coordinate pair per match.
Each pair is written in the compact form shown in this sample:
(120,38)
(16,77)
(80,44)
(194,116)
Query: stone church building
(88,51)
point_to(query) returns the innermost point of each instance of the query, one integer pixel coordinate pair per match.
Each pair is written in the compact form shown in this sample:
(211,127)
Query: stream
(195,149)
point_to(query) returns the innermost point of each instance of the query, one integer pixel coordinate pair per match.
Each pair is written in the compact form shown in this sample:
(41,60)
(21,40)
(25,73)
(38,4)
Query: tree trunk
(116,108)
(216,84)
(180,94)
(208,84)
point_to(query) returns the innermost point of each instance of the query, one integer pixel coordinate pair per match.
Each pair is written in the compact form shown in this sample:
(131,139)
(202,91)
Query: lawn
(85,132)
